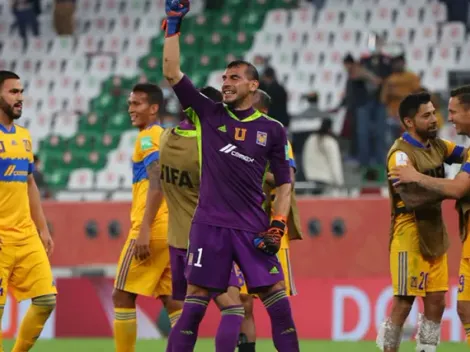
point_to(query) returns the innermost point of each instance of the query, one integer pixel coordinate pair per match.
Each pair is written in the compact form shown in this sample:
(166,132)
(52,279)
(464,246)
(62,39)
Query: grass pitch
(207,345)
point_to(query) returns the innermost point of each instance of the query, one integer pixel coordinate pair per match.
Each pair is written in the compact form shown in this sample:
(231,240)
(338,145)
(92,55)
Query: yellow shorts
(151,277)
(412,275)
(464,280)
(284,259)
(25,269)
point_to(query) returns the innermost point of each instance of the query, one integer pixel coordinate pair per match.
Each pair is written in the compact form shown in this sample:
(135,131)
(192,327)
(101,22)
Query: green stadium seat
(150,63)
(57,179)
(95,160)
(226,22)
(208,63)
(215,44)
(107,141)
(236,6)
(241,43)
(119,122)
(91,123)
(104,104)
(53,143)
(191,44)
(285,4)
(198,25)
(252,21)
(81,141)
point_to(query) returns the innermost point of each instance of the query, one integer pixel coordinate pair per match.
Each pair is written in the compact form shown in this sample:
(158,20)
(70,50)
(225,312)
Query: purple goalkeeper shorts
(213,250)
(178,259)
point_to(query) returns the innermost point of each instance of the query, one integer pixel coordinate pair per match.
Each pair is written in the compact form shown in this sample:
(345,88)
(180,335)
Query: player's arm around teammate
(458,188)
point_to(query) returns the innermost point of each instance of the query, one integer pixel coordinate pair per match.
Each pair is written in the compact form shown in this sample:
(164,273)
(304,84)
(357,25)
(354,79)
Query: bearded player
(236,144)
(458,188)
(418,238)
(144,265)
(25,241)
(247,339)
(180,173)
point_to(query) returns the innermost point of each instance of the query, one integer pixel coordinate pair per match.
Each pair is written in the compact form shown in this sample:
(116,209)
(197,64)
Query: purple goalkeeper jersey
(235,148)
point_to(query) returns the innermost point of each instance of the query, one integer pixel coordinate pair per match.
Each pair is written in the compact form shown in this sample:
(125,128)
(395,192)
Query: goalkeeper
(236,143)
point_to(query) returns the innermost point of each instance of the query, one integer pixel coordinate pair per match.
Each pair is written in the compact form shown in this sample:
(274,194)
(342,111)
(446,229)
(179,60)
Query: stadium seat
(12,49)
(107,180)
(329,19)
(65,125)
(62,47)
(355,18)
(417,58)
(276,20)
(435,79)
(301,19)
(435,13)
(381,18)
(128,139)
(76,67)
(399,35)
(101,66)
(444,56)
(126,66)
(425,35)
(81,179)
(453,33)
(121,162)
(112,44)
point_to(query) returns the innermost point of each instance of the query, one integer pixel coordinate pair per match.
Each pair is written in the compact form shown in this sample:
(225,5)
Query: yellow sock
(1,339)
(467,332)
(33,322)
(125,329)
(174,317)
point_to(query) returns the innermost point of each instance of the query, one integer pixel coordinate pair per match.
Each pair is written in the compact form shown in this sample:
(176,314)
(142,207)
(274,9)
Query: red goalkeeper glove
(270,241)
(175,11)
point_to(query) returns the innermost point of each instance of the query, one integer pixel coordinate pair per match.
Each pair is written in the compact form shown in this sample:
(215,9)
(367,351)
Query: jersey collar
(408,138)
(245,115)
(5,130)
(151,125)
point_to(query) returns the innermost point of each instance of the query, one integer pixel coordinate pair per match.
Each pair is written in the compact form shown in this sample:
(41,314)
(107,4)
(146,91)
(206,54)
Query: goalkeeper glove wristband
(270,241)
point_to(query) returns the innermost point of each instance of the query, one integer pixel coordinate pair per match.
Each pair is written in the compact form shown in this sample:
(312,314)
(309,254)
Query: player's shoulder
(22,131)
(398,157)
(271,122)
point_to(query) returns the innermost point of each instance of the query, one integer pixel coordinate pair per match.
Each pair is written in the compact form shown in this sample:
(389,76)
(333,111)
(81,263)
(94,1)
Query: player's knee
(123,299)
(194,290)
(401,308)
(247,301)
(170,304)
(434,305)
(234,294)
(463,310)
(47,302)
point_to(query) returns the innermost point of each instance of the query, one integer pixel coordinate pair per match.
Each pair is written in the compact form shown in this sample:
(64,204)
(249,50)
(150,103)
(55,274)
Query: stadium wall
(341,271)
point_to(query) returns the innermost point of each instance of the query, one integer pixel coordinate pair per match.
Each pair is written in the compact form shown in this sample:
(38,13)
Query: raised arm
(187,94)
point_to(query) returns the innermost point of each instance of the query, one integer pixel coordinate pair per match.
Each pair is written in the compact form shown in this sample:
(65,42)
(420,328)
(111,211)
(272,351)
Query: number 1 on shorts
(199,257)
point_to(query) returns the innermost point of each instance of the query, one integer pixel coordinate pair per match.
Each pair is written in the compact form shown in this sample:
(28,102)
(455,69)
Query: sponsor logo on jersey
(230,149)
(261,138)
(11,171)
(27,145)
(222,128)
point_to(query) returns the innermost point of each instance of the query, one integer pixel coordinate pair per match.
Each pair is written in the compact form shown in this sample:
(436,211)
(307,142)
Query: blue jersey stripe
(466,168)
(151,158)
(292,163)
(14,170)
(139,172)
(455,156)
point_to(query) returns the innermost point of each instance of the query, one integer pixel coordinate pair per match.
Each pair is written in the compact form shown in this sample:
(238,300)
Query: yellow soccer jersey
(147,150)
(16,163)
(405,232)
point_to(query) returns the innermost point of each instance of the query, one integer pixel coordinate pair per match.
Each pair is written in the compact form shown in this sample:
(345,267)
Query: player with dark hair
(418,237)
(25,241)
(261,102)
(236,144)
(144,264)
(180,165)
(458,188)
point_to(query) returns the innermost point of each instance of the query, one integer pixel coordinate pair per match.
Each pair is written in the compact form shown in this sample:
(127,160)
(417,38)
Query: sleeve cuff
(30,168)
(151,158)
(466,168)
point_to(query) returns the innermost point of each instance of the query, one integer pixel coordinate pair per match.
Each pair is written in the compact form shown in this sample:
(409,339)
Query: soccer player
(144,265)
(458,188)
(25,241)
(179,162)
(261,102)
(418,238)
(236,144)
